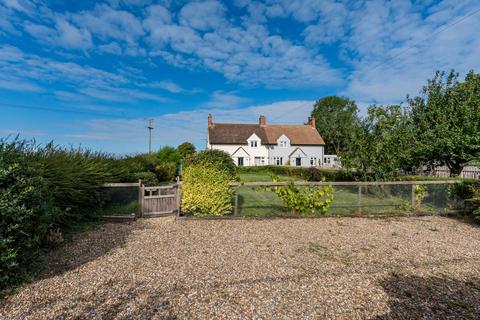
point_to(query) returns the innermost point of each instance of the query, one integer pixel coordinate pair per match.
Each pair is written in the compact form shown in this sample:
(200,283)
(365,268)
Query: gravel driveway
(333,268)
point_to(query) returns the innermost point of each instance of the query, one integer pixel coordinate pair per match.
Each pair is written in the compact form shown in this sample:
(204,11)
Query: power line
(440,30)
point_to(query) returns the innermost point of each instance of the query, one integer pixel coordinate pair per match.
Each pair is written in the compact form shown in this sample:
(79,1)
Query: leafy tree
(186,149)
(167,154)
(336,121)
(446,117)
(383,145)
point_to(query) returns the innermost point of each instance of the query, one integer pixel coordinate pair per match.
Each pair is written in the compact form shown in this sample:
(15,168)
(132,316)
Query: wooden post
(414,198)
(140,199)
(359,199)
(179,197)
(235,209)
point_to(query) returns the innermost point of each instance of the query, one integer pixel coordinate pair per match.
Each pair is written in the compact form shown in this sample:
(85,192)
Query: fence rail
(341,183)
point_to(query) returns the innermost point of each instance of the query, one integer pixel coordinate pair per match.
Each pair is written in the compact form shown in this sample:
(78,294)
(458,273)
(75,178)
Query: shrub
(216,158)
(309,174)
(26,212)
(304,199)
(206,190)
(75,177)
(148,178)
(186,149)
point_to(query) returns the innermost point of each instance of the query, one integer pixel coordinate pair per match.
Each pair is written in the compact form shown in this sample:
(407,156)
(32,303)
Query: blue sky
(92,72)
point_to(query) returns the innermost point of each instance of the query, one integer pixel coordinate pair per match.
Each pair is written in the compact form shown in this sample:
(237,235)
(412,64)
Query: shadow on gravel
(413,297)
(85,247)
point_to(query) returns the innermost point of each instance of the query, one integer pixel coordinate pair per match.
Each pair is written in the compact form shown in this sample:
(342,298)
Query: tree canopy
(446,119)
(336,121)
(186,149)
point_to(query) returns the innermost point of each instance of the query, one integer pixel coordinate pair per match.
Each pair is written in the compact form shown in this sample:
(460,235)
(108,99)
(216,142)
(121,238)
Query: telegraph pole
(150,128)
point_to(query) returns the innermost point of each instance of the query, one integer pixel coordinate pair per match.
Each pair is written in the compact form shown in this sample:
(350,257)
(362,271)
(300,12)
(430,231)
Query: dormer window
(253,143)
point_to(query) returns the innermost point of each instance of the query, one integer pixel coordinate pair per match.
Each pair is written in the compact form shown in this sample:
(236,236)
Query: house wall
(259,151)
(310,151)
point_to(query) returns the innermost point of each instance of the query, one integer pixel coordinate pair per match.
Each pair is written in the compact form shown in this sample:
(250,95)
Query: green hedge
(206,191)
(309,174)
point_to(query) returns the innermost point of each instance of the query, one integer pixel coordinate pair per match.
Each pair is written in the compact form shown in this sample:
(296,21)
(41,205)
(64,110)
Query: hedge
(206,191)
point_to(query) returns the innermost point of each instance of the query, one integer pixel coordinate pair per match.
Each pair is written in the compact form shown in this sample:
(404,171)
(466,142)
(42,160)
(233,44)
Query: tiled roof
(229,133)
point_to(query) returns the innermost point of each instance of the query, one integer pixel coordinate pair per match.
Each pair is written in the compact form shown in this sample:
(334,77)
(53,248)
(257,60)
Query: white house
(262,144)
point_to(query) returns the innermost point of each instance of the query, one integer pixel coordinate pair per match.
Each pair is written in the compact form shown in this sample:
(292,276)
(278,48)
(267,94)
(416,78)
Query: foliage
(467,189)
(74,177)
(446,119)
(26,212)
(167,154)
(309,174)
(337,121)
(148,178)
(304,199)
(216,158)
(206,190)
(185,150)
(383,144)
(420,194)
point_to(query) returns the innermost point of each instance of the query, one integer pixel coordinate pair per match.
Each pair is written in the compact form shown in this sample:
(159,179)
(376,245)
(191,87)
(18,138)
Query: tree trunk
(455,169)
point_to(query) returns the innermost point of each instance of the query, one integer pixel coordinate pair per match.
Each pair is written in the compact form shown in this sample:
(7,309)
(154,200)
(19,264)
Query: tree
(186,149)
(446,117)
(383,144)
(336,121)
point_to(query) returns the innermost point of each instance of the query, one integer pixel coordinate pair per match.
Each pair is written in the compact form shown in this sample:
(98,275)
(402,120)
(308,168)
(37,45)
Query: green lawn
(257,202)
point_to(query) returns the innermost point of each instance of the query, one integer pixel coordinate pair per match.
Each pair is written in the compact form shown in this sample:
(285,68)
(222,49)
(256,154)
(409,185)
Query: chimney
(262,120)
(312,122)
(210,120)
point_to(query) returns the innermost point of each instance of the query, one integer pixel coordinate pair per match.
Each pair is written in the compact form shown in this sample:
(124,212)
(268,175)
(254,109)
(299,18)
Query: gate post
(141,193)
(359,199)
(179,197)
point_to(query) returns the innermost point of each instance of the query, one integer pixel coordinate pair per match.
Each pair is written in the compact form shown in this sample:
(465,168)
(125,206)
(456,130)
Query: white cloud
(221,99)
(206,15)
(107,24)
(64,35)
(169,86)
(396,49)
(175,128)
(19,85)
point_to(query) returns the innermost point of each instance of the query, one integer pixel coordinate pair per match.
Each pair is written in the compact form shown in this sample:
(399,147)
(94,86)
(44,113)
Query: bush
(466,189)
(186,149)
(304,199)
(215,158)
(26,212)
(309,174)
(148,178)
(206,190)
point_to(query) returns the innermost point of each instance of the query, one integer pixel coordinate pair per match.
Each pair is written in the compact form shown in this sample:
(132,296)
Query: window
(253,144)
(240,161)
(313,161)
(278,161)
(283,144)
(298,162)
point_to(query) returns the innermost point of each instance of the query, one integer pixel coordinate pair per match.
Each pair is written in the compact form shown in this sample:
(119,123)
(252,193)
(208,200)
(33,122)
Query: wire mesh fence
(259,199)
(121,199)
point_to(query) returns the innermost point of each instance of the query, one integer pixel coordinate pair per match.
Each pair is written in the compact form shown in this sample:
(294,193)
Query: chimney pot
(210,120)
(312,122)
(262,120)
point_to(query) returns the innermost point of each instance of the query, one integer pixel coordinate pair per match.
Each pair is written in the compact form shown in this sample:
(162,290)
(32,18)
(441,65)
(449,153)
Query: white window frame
(253,143)
(283,144)
(278,161)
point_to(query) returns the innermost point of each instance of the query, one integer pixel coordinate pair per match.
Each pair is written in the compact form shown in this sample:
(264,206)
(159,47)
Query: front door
(240,161)
(298,162)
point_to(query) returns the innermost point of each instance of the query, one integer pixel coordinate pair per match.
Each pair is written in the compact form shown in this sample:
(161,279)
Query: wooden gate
(159,200)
